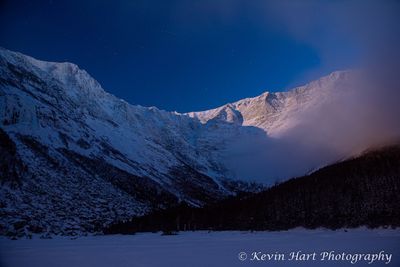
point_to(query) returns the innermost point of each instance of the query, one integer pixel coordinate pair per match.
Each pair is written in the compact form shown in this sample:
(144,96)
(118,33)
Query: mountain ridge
(274,101)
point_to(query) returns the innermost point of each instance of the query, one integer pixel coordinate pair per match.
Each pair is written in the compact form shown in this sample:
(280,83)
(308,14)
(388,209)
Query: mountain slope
(78,157)
(357,192)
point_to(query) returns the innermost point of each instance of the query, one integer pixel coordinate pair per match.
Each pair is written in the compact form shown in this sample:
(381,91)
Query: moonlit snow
(199,249)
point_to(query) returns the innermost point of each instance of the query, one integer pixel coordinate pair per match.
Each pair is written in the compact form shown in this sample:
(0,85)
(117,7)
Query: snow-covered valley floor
(202,249)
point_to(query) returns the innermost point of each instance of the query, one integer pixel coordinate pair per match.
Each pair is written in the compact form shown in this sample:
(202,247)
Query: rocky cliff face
(76,157)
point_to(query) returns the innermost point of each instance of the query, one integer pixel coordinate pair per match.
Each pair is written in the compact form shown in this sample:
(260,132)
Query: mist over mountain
(327,120)
(78,157)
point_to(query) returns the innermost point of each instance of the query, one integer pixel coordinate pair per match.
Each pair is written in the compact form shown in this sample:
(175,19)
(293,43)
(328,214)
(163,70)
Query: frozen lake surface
(202,249)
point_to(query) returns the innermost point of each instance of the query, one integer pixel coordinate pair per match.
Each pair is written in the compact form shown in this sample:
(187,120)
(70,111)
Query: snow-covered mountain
(275,113)
(77,157)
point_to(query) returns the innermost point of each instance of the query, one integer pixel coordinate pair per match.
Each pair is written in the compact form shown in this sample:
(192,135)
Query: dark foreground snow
(198,249)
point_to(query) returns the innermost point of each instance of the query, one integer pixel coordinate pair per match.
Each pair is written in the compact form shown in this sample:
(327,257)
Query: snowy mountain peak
(269,111)
(66,73)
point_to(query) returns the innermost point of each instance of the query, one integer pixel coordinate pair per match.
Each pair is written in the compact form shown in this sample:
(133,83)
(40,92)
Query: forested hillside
(357,192)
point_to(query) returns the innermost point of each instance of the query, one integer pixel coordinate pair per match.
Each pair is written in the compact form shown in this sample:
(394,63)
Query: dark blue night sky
(181,55)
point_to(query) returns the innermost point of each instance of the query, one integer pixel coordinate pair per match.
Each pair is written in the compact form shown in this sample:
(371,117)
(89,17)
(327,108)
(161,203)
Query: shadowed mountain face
(356,192)
(77,158)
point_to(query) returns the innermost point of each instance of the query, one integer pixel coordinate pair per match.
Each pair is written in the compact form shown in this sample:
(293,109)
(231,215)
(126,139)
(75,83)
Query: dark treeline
(357,192)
